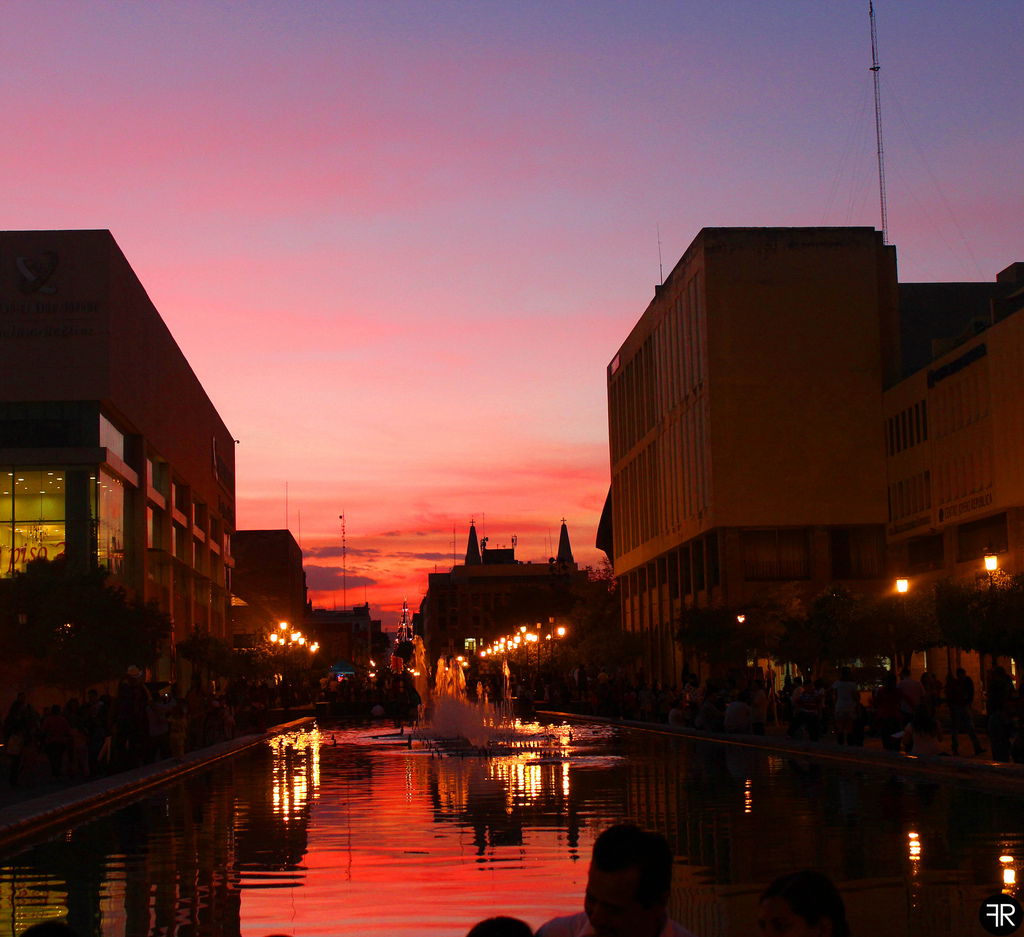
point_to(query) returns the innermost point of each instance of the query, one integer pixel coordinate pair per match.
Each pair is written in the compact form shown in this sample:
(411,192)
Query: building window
(975,539)
(32,515)
(714,575)
(158,476)
(776,554)
(857,552)
(924,553)
(110,526)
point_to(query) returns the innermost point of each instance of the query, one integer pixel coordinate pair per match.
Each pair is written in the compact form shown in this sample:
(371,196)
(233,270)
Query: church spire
(564,557)
(472,547)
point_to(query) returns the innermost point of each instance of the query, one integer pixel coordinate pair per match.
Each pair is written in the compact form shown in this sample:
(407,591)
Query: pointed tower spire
(473,547)
(564,557)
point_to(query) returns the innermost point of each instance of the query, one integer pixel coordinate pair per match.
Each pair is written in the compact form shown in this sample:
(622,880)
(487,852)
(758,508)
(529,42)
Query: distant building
(113,453)
(468,606)
(954,433)
(744,413)
(269,584)
(348,636)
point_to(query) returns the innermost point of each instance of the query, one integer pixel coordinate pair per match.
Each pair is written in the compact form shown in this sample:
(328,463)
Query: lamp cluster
(523,638)
(286,637)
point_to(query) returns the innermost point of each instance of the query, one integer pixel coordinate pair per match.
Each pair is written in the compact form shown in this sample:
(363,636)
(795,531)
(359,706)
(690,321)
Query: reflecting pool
(340,831)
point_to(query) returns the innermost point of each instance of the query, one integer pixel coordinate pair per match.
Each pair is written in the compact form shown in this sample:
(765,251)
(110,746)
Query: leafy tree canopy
(74,629)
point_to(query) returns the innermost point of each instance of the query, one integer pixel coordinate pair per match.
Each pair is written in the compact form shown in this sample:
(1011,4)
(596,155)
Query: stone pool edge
(1005,776)
(42,817)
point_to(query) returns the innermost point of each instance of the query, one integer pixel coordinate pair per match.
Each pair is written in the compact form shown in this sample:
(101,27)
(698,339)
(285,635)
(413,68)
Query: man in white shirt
(628,886)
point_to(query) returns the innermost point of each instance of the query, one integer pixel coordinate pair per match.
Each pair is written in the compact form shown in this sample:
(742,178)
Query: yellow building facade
(954,433)
(744,426)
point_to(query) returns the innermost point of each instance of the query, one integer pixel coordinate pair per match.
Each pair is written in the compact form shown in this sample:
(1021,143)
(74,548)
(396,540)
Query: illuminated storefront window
(32,515)
(109,508)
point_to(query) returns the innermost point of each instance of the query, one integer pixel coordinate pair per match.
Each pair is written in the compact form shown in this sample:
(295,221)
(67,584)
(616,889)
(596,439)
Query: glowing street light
(902,586)
(991,562)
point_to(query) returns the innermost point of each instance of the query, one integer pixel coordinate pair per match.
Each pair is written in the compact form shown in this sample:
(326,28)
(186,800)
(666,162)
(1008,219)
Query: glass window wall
(32,517)
(110,523)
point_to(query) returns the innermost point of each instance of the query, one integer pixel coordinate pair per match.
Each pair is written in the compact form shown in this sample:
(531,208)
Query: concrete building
(954,433)
(113,452)
(468,606)
(744,424)
(269,584)
(349,636)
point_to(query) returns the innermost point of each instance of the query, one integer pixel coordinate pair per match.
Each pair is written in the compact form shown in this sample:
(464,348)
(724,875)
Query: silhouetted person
(501,927)
(960,696)
(49,929)
(628,887)
(802,903)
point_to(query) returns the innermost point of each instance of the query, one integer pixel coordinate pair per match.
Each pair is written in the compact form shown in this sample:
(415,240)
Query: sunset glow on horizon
(399,243)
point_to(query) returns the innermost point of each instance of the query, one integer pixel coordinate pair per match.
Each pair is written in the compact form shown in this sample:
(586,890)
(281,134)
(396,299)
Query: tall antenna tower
(875,67)
(344,564)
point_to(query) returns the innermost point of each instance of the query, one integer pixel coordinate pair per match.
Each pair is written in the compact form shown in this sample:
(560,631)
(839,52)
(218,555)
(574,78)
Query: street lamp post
(285,640)
(902,588)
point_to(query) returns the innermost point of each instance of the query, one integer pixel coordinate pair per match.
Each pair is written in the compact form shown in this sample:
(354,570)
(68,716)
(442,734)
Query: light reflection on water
(337,832)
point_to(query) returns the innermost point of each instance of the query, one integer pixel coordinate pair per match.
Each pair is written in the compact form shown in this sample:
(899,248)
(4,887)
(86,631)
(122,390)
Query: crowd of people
(140,723)
(919,715)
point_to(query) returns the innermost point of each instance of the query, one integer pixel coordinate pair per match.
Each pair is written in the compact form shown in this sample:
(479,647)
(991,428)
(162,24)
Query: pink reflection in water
(423,845)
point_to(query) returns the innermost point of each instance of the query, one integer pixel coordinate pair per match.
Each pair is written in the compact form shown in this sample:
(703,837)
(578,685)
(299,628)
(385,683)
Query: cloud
(331,552)
(330,579)
(404,555)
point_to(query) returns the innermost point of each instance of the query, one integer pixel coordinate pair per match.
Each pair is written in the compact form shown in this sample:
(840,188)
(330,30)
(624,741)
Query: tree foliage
(985,616)
(829,629)
(596,638)
(209,655)
(74,629)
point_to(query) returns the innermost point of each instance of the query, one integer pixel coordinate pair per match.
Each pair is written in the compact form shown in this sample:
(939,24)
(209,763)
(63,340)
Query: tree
(596,638)
(716,635)
(986,616)
(895,627)
(208,655)
(73,629)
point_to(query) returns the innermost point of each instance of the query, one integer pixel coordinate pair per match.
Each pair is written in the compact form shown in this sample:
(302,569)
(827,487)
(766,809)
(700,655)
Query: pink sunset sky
(400,241)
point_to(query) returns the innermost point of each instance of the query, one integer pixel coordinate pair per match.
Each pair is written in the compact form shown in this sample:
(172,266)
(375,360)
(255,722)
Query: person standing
(628,886)
(960,696)
(808,702)
(131,722)
(847,696)
(56,735)
(888,716)
(999,695)
(912,694)
(19,725)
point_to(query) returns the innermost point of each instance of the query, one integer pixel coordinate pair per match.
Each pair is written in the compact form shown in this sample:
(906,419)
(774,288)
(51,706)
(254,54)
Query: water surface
(338,832)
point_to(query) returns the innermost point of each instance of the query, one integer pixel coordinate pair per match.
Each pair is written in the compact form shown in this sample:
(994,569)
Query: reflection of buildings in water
(190,829)
(860,830)
(160,865)
(272,826)
(500,796)
(29,895)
